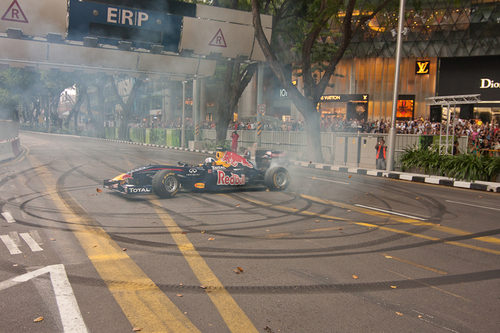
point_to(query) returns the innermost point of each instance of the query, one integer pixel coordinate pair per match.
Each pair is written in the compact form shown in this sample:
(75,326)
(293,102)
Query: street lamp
(392,132)
(183,120)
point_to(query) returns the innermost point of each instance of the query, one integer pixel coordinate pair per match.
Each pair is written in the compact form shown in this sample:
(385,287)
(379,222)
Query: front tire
(277,178)
(165,184)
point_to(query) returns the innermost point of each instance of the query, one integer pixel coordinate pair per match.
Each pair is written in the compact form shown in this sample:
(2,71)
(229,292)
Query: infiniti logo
(488,83)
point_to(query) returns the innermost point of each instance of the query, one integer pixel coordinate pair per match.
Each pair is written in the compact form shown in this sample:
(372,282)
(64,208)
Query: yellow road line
(234,317)
(435,239)
(369,225)
(435,270)
(448,230)
(324,229)
(277,236)
(142,302)
(431,286)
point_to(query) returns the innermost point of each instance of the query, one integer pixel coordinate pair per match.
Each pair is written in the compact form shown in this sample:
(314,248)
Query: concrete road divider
(10,146)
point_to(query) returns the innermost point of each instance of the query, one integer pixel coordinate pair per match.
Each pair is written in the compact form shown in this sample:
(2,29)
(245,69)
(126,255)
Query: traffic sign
(218,39)
(34,17)
(223,31)
(112,23)
(15,13)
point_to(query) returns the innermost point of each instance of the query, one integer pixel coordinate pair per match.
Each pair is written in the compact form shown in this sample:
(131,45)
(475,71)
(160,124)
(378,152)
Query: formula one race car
(227,170)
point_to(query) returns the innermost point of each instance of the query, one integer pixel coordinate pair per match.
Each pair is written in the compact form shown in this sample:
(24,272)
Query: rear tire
(277,179)
(165,184)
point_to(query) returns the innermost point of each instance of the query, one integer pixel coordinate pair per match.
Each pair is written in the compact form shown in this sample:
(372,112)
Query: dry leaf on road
(37,320)
(355,277)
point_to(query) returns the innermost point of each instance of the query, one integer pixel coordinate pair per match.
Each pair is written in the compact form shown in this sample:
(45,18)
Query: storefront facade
(449,48)
(473,75)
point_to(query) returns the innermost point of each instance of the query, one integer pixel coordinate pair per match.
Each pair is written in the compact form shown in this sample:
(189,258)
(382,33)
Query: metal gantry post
(183,120)
(447,129)
(196,109)
(260,102)
(392,132)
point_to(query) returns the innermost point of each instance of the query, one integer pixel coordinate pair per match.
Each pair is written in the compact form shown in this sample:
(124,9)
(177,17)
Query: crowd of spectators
(482,136)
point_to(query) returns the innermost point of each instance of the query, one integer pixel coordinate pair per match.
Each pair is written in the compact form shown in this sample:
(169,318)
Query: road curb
(157,146)
(419,178)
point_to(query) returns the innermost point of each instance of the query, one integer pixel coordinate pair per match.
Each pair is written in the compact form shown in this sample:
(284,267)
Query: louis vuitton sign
(422,67)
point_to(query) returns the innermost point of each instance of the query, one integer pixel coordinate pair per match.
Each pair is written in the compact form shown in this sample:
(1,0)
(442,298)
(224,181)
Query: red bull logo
(233,179)
(229,158)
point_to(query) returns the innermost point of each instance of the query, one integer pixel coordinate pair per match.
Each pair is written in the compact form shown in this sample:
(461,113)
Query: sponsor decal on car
(233,179)
(123,176)
(229,158)
(139,190)
(199,185)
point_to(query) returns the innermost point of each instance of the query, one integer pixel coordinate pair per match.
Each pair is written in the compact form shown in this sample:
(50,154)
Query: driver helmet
(209,161)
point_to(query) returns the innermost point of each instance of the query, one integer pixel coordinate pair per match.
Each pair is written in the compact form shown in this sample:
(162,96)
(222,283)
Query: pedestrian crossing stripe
(15,13)
(12,242)
(8,217)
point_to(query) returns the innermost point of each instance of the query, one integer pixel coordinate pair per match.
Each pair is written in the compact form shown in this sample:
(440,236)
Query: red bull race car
(227,170)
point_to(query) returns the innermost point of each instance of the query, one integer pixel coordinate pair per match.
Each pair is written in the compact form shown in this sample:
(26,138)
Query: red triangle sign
(218,39)
(15,13)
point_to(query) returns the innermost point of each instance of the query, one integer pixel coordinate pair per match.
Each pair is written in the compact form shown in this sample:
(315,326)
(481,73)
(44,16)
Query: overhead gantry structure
(100,37)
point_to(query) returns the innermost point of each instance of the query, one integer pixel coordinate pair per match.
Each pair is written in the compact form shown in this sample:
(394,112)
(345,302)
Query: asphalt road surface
(333,253)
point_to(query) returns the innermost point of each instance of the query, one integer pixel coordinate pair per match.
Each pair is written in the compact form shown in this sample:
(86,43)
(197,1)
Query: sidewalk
(413,177)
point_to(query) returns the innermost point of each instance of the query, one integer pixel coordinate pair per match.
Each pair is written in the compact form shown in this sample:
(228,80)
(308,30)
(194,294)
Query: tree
(15,87)
(53,83)
(233,76)
(314,35)
(126,102)
(236,78)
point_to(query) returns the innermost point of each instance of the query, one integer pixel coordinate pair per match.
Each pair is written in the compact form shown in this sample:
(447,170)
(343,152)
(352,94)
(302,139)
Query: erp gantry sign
(111,24)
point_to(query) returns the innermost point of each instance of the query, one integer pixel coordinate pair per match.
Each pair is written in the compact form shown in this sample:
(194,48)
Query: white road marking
(15,238)
(71,317)
(8,217)
(9,243)
(391,212)
(468,204)
(31,242)
(329,180)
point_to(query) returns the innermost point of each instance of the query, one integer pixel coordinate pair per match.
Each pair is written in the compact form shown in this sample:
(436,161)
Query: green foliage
(157,136)
(467,167)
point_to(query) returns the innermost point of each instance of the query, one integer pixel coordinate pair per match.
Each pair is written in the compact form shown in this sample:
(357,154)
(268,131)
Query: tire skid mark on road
(427,225)
(448,230)
(142,302)
(430,286)
(409,262)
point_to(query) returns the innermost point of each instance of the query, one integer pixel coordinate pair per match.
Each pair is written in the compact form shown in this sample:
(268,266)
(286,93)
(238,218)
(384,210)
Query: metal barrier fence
(347,149)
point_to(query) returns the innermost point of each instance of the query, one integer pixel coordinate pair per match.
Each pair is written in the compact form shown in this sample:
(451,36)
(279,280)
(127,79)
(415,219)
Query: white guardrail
(9,139)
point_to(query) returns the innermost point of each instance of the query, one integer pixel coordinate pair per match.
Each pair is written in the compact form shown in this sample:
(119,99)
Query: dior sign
(488,83)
